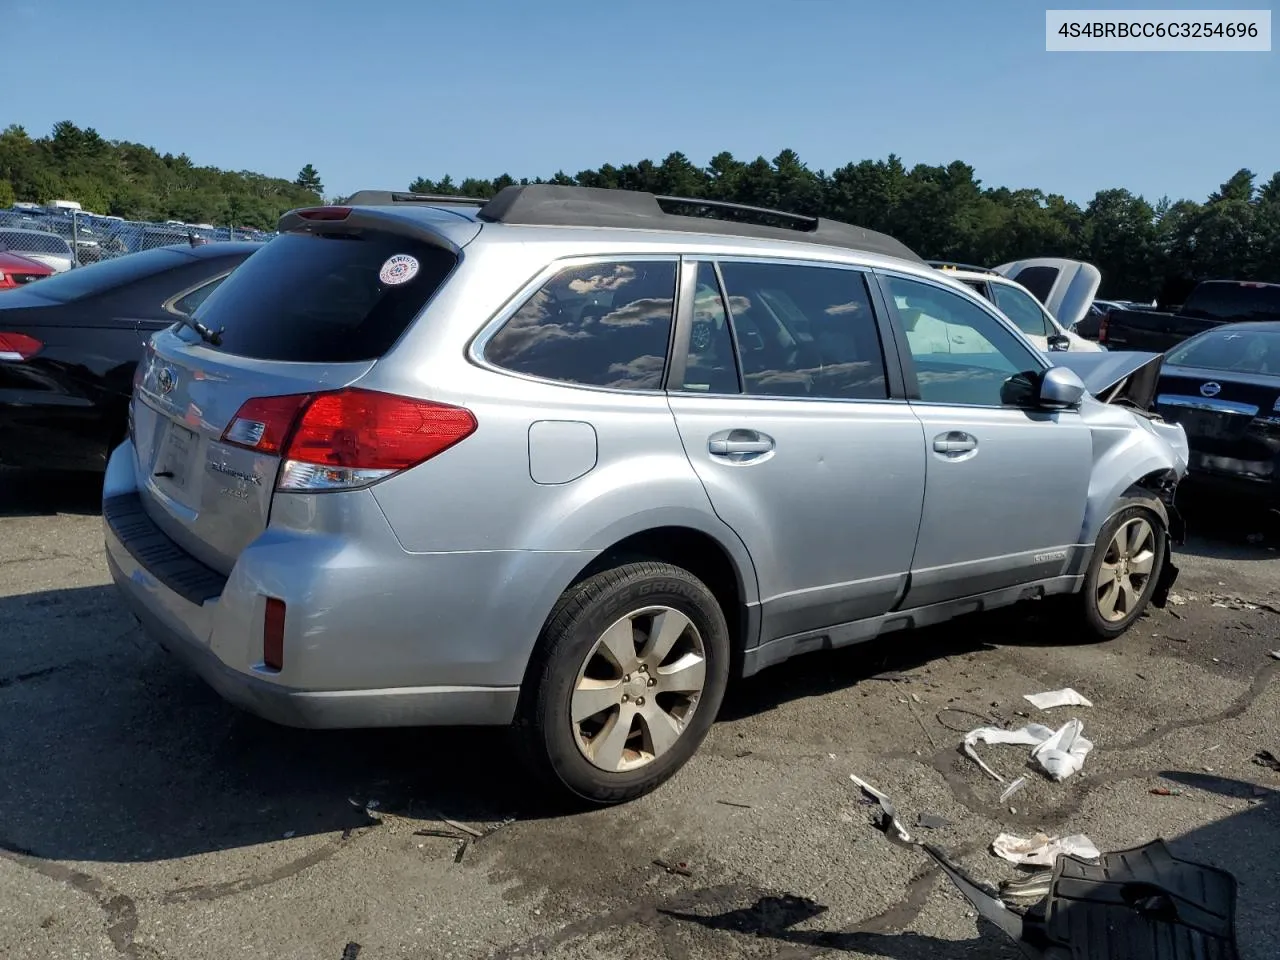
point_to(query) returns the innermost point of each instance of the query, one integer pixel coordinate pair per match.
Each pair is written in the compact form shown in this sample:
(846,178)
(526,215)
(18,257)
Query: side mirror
(1061,389)
(1059,342)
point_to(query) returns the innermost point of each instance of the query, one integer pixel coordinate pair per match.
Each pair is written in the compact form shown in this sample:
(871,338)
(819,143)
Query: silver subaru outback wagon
(570,458)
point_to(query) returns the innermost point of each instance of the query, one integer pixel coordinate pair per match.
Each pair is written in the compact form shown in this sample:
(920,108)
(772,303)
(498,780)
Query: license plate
(175,455)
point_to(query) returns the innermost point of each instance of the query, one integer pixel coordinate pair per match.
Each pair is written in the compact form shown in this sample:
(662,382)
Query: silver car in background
(39,245)
(572,459)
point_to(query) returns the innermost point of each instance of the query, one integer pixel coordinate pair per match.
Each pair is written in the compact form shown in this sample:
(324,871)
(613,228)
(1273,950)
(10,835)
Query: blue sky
(375,93)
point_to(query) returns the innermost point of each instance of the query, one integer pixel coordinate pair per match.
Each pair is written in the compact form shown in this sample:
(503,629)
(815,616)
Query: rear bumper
(374,636)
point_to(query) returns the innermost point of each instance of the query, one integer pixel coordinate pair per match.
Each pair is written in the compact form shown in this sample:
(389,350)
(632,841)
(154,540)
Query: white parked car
(1044,297)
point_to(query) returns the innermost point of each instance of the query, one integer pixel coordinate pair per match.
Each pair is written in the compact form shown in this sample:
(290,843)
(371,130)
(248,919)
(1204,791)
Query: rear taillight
(18,346)
(346,439)
(1102,327)
(263,424)
(273,634)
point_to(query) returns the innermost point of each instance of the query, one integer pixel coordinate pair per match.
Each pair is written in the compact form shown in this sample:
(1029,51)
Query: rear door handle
(954,442)
(723,447)
(740,445)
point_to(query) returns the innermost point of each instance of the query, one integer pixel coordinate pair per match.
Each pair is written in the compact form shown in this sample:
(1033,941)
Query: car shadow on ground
(1223,528)
(40,493)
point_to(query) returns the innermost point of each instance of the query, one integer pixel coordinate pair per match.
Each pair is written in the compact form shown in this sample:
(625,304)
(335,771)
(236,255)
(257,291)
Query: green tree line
(1144,249)
(136,182)
(943,212)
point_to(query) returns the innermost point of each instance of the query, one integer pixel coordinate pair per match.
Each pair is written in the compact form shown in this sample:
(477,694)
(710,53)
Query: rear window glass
(323,299)
(1241,351)
(105,275)
(1235,301)
(602,325)
(1039,280)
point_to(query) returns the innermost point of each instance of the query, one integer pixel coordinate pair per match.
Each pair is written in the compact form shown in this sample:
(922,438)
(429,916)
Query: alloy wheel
(1126,568)
(638,689)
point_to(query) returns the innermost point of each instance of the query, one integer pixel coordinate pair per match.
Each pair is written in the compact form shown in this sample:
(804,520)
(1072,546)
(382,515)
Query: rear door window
(804,331)
(324,298)
(601,325)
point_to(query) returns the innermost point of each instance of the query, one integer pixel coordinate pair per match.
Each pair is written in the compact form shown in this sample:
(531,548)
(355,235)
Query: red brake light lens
(18,346)
(325,213)
(347,438)
(365,430)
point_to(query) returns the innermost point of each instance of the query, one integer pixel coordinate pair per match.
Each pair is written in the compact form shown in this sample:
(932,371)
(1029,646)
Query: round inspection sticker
(398,269)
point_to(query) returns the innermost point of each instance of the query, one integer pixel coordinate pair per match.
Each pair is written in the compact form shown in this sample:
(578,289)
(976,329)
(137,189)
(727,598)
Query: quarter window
(187,305)
(961,353)
(804,331)
(601,325)
(1022,310)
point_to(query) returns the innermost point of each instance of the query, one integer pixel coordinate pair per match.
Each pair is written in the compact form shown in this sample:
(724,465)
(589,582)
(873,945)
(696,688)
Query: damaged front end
(1137,455)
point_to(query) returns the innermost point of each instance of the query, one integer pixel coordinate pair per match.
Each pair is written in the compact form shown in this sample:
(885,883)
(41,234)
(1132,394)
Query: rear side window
(323,299)
(1235,301)
(600,325)
(805,331)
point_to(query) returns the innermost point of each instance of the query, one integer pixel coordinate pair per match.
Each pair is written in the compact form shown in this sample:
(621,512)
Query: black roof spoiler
(554,205)
(385,198)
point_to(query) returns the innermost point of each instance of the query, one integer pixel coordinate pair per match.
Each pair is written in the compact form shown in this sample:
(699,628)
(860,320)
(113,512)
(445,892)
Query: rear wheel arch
(689,548)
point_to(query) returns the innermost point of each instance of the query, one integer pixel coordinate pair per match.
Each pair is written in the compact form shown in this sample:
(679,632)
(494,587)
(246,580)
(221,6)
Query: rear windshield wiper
(213,337)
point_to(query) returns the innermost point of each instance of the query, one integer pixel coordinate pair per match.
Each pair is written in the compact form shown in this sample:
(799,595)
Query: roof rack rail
(546,204)
(953,265)
(384,198)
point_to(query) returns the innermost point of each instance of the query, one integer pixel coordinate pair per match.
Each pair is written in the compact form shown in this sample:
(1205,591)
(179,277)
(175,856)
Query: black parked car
(1223,386)
(70,343)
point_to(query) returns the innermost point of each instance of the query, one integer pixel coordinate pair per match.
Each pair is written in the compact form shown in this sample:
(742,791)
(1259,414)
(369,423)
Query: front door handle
(954,442)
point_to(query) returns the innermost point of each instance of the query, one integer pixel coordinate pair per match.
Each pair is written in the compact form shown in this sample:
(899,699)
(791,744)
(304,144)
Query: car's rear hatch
(309,313)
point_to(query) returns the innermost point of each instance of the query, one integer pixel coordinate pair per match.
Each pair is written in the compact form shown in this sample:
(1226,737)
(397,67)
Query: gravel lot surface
(141,817)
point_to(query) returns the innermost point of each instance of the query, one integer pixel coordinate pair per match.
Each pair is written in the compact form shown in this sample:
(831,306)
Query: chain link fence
(87,237)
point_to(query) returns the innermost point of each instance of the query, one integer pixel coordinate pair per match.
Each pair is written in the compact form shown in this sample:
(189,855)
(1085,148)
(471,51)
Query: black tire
(578,621)
(1089,612)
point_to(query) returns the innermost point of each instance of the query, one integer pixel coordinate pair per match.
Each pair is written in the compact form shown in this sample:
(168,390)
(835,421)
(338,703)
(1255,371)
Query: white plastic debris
(1065,697)
(1275,654)
(886,808)
(1042,850)
(1059,752)
(1063,754)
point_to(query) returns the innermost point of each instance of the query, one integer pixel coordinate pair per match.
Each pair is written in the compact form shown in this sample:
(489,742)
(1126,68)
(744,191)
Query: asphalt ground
(141,817)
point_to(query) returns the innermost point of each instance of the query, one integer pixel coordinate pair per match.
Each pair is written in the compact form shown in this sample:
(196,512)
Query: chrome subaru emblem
(166,380)
(1210,389)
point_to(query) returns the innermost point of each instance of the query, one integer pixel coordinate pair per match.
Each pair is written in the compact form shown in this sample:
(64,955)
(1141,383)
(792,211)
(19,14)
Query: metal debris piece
(1265,758)
(351,951)
(462,849)
(447,834)
(730,803)
(681,869)
(1013,788)
(1033,887)
(888,815)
